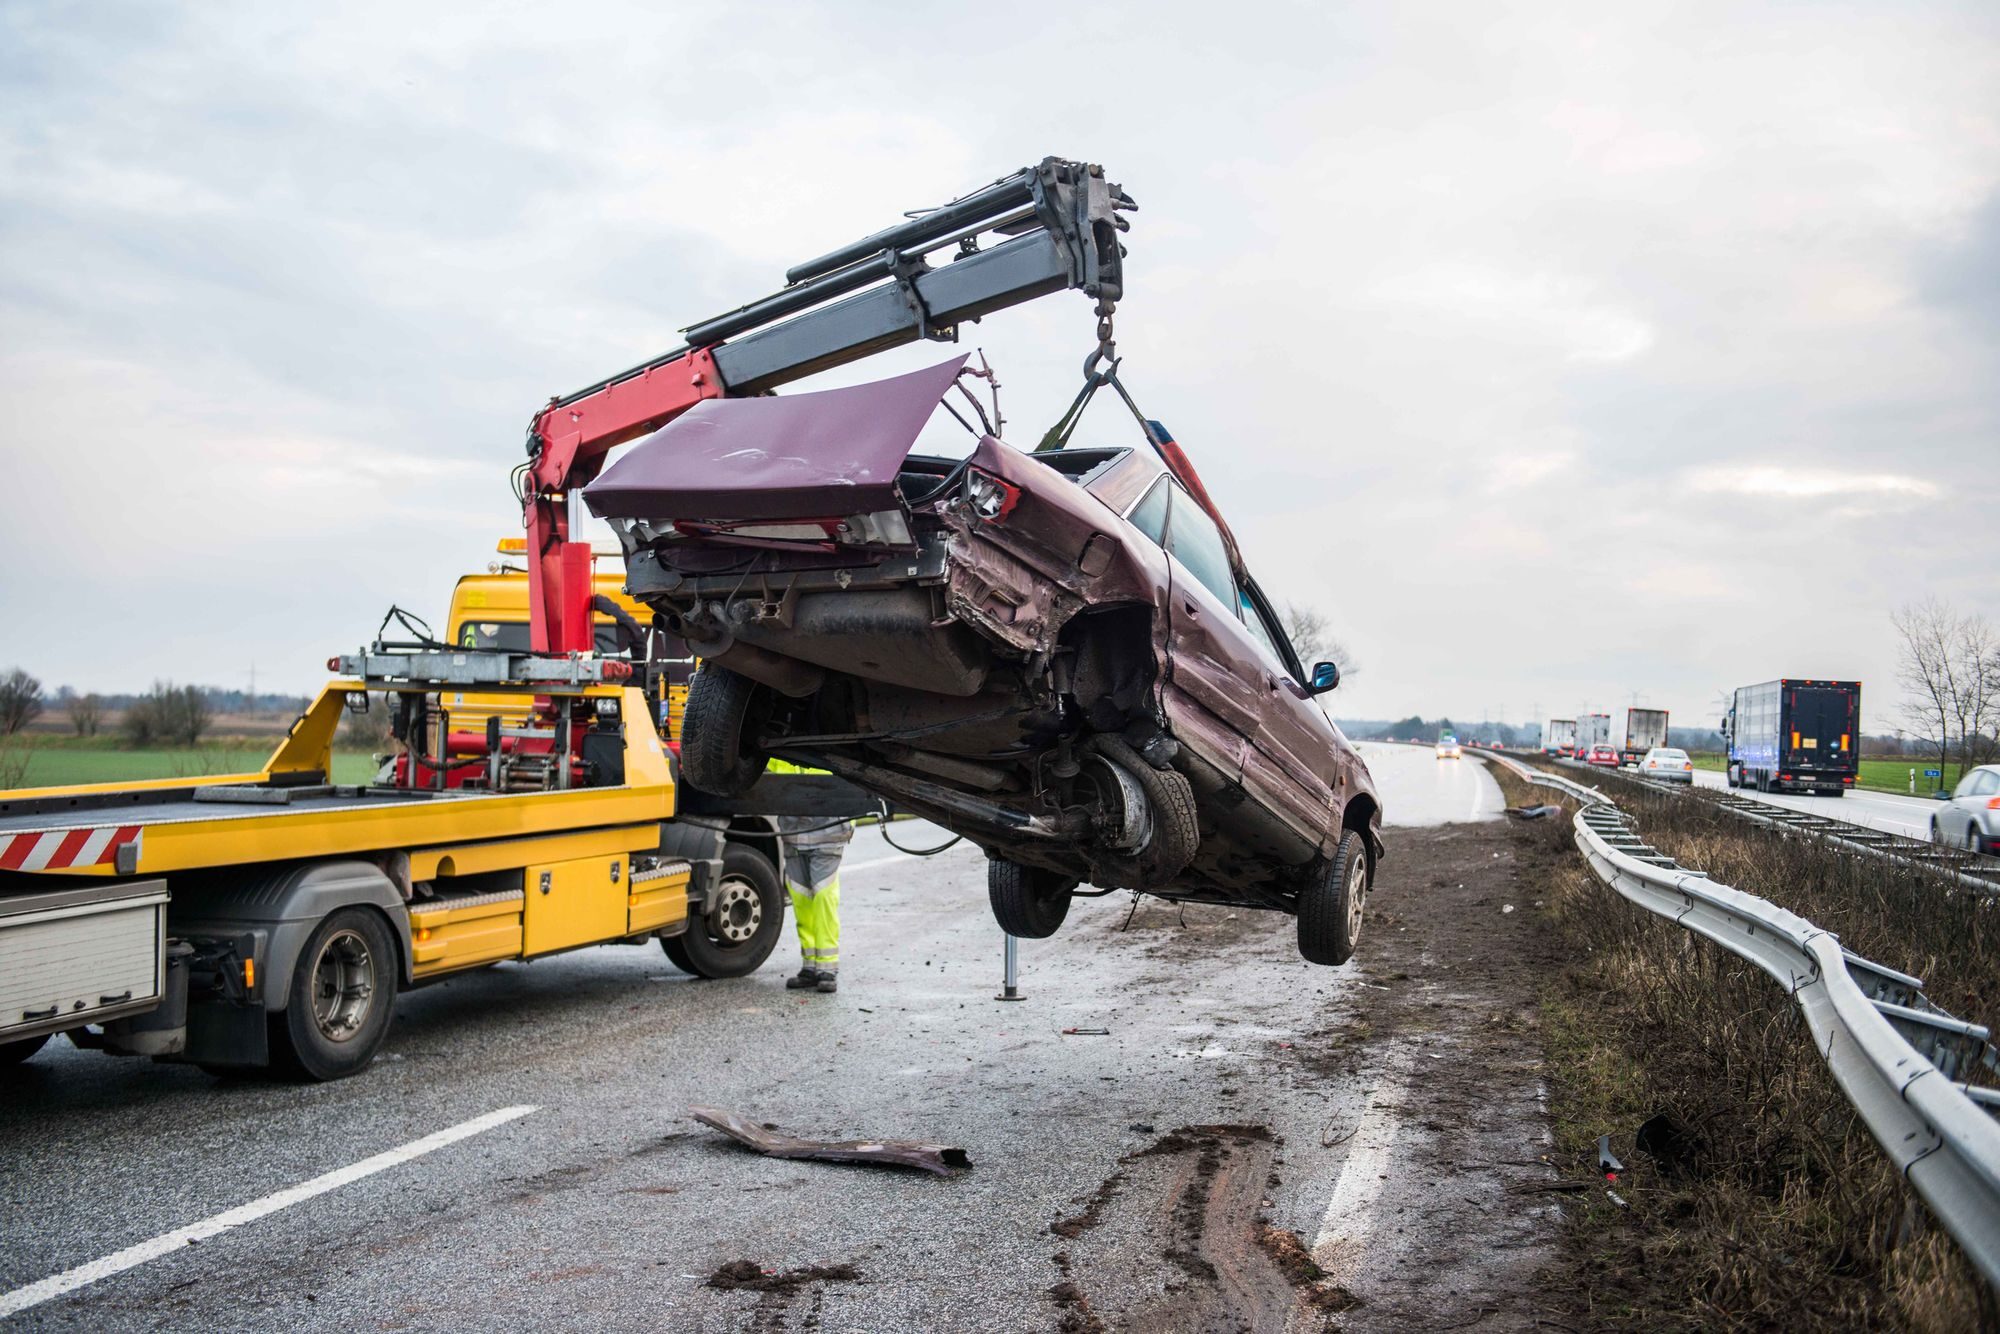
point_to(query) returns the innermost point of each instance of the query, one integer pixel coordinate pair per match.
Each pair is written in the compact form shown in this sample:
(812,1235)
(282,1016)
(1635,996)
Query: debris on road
(1087,1032)
(942,1159)
(748,1276)
(1607,1162)
(1533,812)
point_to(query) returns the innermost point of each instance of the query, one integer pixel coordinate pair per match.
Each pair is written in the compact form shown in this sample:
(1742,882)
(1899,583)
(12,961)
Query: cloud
(1449,307)
(1809,483)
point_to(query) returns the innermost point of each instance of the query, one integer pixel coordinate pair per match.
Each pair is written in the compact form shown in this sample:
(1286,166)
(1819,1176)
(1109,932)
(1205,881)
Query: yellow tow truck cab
(490,611)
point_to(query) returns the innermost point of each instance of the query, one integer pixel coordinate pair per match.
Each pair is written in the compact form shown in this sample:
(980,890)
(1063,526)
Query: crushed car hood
(827,454)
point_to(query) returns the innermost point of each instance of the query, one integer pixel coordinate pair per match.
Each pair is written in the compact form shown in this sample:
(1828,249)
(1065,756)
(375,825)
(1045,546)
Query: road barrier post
(1009,975)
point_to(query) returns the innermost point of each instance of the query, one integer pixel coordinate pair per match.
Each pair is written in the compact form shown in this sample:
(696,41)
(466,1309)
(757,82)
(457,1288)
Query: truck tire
(745,917)
(343,995)
(1331,908)
(725,712)
(1027,901)
(19,1050)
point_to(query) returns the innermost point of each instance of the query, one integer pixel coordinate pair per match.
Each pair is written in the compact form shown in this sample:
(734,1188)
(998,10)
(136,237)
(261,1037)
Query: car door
(1296,728)
(1218,664)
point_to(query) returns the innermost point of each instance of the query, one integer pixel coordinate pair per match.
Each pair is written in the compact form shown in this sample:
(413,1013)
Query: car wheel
(13,1053)
(1176,833)
(1027,901)
(740,928)
(342,997)
(1330,909)
(725,711)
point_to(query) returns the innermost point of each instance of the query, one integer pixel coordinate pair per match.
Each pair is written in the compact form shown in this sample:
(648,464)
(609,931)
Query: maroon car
(1056,654)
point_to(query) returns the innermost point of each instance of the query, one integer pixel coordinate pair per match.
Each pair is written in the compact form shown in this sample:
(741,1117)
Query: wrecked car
(1055,654)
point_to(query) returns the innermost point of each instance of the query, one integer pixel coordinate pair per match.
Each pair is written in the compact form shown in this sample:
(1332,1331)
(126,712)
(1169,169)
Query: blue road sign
(1934,773)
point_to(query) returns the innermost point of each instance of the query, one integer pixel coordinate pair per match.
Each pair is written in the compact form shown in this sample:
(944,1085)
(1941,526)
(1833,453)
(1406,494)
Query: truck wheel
(1330,909)
(745,917)
(726,711)
(342,997)
(1027,901)
(13,1053)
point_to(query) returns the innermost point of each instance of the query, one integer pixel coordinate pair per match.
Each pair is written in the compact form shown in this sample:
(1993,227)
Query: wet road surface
(565,1184)
(1887,811)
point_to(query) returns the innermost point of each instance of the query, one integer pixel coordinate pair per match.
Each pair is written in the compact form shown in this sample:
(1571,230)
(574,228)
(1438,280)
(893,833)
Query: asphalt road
(574,1188)
(1886,811)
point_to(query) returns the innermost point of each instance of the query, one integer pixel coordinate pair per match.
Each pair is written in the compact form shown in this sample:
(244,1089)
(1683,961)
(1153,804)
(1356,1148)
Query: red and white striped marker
(62,849)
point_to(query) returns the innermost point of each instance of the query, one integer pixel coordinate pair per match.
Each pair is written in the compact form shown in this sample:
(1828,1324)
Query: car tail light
(988,496)
(1689,766)
(1993,803)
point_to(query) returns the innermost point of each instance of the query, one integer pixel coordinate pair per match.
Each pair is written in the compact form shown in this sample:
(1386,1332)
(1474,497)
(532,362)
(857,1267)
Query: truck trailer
(1795,736)
(1592,729)
(1644,729)
(1559,736)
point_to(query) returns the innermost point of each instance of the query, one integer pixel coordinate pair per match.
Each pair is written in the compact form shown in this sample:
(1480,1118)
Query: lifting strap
(1094,379)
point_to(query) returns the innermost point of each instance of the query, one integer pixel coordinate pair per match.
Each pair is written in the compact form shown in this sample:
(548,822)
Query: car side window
(1195,541)
(1149,516)
(1984,784)
(1258,630)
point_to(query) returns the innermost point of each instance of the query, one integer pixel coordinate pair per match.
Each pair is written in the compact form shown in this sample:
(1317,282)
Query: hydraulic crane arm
(1044,229)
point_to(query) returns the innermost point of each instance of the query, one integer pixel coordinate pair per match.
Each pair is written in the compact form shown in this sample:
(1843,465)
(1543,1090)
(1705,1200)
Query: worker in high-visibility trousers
(814,846)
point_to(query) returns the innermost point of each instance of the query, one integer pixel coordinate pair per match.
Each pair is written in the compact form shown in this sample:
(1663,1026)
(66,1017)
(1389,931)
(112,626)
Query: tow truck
(272,918)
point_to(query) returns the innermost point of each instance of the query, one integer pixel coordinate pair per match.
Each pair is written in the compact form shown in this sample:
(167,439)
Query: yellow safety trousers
(817,916)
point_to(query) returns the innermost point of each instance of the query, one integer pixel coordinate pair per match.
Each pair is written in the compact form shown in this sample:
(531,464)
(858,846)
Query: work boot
(807,979)
(828,984)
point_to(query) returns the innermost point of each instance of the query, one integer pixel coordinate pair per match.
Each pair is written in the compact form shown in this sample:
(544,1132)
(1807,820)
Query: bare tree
(86,714)
(1311,633)
(20,700)
(1949,669)
(168,712)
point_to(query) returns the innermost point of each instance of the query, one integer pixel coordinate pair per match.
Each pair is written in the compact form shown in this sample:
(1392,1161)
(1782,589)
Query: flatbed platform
(288,812)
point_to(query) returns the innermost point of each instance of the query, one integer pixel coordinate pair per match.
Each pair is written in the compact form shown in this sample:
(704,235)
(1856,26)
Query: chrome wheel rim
(738,912)
(1357,896)
(343,986)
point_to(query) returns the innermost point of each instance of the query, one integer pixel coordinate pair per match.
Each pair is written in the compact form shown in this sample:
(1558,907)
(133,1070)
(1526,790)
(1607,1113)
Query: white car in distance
(1668,765)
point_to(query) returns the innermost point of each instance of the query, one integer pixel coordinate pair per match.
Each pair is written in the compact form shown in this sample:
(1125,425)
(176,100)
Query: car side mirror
(1326,675)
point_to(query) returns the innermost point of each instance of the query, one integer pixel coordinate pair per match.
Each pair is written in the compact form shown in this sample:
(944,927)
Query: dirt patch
(776,1290)
(749,1276)
(1201,1189)
(1093,1213)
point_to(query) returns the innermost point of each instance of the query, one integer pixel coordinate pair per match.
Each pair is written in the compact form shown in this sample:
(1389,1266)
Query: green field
(56,760)
(1877,775)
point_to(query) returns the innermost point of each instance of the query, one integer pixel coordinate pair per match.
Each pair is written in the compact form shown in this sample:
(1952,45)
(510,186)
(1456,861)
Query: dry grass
(1780,1211)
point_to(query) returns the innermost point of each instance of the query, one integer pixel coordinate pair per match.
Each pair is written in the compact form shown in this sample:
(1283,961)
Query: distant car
(1605,757)
(1668,765)
(1447,748)
(1971,818)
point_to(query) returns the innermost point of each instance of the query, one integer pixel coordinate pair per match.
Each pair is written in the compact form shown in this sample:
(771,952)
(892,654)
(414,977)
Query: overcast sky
(1557,352)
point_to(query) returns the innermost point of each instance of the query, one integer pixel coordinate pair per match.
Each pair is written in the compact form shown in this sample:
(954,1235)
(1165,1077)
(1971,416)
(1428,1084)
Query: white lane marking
(33,1294)
(1349,1214)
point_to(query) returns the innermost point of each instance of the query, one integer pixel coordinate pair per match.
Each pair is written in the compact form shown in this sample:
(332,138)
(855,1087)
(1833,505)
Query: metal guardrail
(1905,1064)
(1969,869)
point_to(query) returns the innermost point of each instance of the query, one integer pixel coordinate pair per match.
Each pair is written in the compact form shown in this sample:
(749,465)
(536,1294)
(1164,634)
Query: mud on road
(1435,1214)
